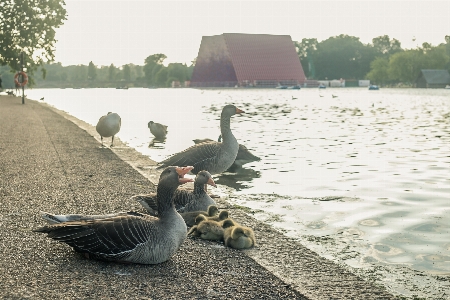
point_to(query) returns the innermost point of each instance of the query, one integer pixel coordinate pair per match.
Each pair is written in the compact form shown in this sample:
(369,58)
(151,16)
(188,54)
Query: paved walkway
(49,163)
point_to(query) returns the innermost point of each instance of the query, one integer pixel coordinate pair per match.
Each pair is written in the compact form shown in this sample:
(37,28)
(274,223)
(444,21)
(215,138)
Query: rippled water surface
(371,168)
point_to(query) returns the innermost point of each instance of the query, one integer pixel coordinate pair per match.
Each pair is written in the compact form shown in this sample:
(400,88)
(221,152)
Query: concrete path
(49,163)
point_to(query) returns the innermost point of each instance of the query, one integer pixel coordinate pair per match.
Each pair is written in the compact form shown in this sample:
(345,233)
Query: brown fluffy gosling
(218,218)
(237,236)
(190,217)
(207,229)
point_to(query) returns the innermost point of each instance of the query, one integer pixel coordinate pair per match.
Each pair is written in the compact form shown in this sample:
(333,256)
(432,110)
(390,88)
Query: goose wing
(110,238)
(148,201)
(200,156)
(181,198)
(54,219)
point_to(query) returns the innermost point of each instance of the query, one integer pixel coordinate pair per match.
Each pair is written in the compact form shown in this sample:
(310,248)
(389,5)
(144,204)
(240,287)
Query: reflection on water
(381,158)
(239,180)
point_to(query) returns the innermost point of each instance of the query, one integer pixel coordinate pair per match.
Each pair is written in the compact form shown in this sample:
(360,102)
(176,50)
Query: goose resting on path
(108,126)
(138,238)
(158,130)
(184,200)
(214,157)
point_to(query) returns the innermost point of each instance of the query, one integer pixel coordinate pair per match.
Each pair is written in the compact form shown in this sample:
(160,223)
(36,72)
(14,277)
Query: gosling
(207,229)
(218,218)
(191,216)
(237,236)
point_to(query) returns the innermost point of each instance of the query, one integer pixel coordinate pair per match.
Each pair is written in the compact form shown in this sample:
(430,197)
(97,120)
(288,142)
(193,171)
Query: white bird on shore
(214,157)
(158,130)
(108,126)
(141,239)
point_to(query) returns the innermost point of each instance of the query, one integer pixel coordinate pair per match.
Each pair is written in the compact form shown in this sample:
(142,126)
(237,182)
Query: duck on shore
(141,239)
(108,126)
(214,157)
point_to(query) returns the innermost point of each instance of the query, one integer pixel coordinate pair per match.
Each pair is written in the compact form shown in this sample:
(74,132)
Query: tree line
(383,61)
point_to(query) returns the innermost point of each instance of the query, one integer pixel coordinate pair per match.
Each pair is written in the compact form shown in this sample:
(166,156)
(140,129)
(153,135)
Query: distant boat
(373,87)
(322,86)
(294,87)
(447,87)
(122,88)
(281,87)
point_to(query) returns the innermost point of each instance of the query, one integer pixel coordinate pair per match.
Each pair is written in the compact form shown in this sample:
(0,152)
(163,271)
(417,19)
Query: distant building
(433,79)
(260,60)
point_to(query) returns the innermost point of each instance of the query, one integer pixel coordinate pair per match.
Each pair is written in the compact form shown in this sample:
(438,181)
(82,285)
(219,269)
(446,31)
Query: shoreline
(70,173)
(144,165)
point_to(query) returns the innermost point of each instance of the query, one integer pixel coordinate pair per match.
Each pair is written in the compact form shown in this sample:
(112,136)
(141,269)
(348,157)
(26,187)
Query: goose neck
(199,188)
(225,128)
(163,195)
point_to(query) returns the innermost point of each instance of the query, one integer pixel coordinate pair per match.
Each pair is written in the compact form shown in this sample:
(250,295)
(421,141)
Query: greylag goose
(158,130)
(140,239)
(108,126)
(237,236)
(207,230)
(244,156)
(189,217)
(214,157)
(184,200)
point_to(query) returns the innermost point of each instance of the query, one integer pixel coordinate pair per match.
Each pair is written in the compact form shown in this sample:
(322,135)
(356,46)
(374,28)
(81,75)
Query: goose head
(230,110)
(174,176)
(204,177)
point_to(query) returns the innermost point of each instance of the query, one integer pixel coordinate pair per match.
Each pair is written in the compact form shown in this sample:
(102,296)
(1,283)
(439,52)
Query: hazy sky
(122,31)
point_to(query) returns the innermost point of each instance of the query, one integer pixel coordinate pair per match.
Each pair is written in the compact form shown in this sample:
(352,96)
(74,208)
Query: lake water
(362,177)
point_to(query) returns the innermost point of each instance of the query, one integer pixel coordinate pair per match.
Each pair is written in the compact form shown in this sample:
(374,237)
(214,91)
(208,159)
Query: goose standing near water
(244,156)
(214,157)
(158,130)
(108,126)
(184,200)
(137,238)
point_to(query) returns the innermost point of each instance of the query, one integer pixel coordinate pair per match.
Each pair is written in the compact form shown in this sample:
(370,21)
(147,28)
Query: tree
(126,72)
(161,77)
(92,71)
(405,66)
(29,27)
(152,66)
(177,72)
(112,72)
(385,46)
(306,50)
(342,56)
(379,70)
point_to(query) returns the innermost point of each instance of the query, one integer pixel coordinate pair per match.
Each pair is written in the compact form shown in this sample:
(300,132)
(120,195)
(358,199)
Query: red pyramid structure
(235,59)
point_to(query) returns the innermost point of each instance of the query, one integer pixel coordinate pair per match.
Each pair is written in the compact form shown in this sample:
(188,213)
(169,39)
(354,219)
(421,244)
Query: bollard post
(21,69)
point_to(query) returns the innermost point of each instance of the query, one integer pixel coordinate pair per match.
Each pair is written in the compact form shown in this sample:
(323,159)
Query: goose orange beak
(211,182)
(183,171)
(239,111)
